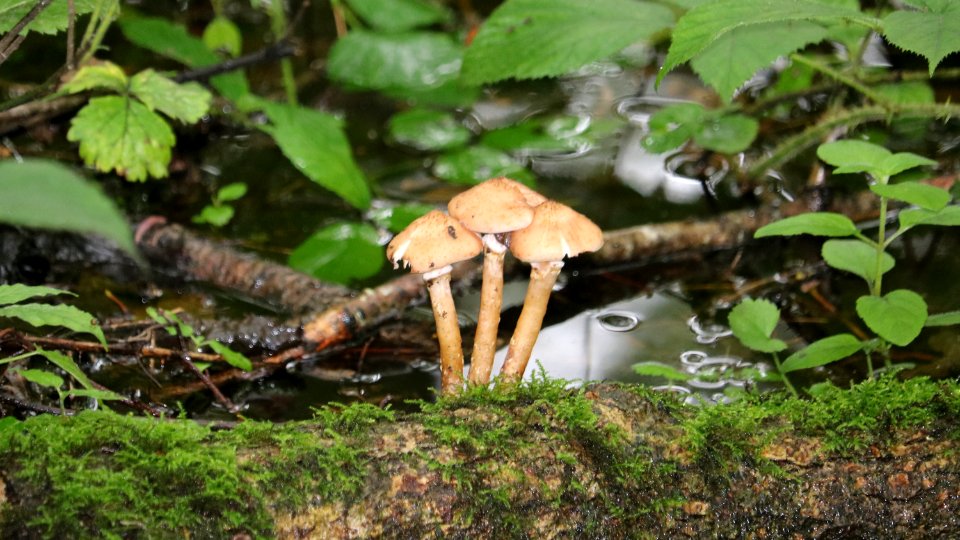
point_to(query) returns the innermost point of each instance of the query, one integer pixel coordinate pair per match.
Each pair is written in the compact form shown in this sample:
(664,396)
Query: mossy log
(538,461)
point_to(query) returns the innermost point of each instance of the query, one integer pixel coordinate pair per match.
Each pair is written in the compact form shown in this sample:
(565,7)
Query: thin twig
(276,51)
(11,41)
(71,28)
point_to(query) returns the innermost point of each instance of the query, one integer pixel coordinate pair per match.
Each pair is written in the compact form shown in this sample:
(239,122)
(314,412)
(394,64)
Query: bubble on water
(618,321)
(701,384)
(424,365)
(676,389)
(365,378)
(693,358)
(708,333)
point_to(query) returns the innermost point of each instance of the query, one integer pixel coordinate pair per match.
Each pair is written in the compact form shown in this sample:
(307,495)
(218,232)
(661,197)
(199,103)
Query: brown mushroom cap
(557,231)
(433,241)
(496,206)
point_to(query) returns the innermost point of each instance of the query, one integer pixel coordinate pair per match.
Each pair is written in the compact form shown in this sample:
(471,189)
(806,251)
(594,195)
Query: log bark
(877,461)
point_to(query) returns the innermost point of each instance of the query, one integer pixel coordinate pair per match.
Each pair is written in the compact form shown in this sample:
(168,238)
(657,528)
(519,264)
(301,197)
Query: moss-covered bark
(539,461)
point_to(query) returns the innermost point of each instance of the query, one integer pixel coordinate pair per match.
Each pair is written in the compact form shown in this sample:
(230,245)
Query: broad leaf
(902,161)
(933,33)
(222,35)
(59,315)
(41,377)
(121,134)
(727,134)
(316,145)
(945,217)
(527,137)
(51,20)
(103,75)
(673,126)
(397,218)
(340,253)
(815,223)
(218,216)
(478,163)
(897,317)
(424,129)
(399,15)
(186,102)
(231,192)
(949,318)
(659,369)
(922,195)
(17,292)
(418,60)
(526,39)
(907,92)
(47,195)
(94,393)
(857,257)
(822,352)
(849,156)
(736,56)
(232,357)
(67,364)
(753,321)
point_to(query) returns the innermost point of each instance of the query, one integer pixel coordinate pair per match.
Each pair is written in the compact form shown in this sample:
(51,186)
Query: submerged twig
(277,51)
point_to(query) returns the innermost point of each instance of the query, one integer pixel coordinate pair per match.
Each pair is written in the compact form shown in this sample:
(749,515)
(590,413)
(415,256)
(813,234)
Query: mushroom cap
(557,231)
(433,241)
(496,206)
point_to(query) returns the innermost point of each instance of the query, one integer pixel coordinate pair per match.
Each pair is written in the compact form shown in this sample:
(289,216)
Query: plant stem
(786,381)
(881,239)
(868,92)
(278,19)
(869,365)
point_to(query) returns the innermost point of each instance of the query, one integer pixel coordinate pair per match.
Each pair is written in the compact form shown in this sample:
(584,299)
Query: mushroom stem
(491,298)
(448,330)
(542,277)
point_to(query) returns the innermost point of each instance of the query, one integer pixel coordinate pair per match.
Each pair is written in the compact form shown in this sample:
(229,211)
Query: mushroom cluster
(508,215)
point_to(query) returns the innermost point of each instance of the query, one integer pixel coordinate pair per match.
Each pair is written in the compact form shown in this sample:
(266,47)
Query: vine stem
(870,93)
(786,381)
(278,19)
(881,241)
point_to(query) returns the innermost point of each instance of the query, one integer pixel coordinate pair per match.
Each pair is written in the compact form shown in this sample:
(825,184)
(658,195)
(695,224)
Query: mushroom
(557,231)
(429,245)
(493,208)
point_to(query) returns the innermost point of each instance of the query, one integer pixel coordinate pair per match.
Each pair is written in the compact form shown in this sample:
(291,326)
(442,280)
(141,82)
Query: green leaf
(822,352)
(727,134)
(60,315)
(121,134)
(47,195)
(424,129)
(815,223)
(17,292)
(922,195)
(933,33)
(316,145)
(186,102)
(397,218)
(478,163)
(526,39)
(103,75)
(907,92)
(232,357)
(94,393)
(218,216)
(41,377)
(857,257)
(945,217)
(897,317)
(706,23)
(736,56)
(949,318)
(849,156)
(51,20)
(340,253)
(417,60)
(753,321)
(659,369)
(399,15)
(222,35)
(231,192)
(902,161)
(67,364)
(673,126)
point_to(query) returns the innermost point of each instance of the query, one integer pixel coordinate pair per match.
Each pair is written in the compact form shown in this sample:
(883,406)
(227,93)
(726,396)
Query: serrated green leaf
(316,145)
(173,41)
(51,20)
(103,75)
(902,161)
(753,321)
(949,318)
(18,292)
(933,33)
(397,218)
(399,15)
(708,22)
(424,129)
(222,35)
(849,156)
(822,352)
(659,369)
(736,56)
(340,253)
(922,195)
(945,217)
(857,257)
(418,60)
(727,134)
(67,364)
(815,223)
(231,357)
(526,39)
(41,377)
(478,163)
(218,216)
(897,317)
(59,315)
(187,102)
(48,195)
(120,134)
(673,126)
(231,192)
